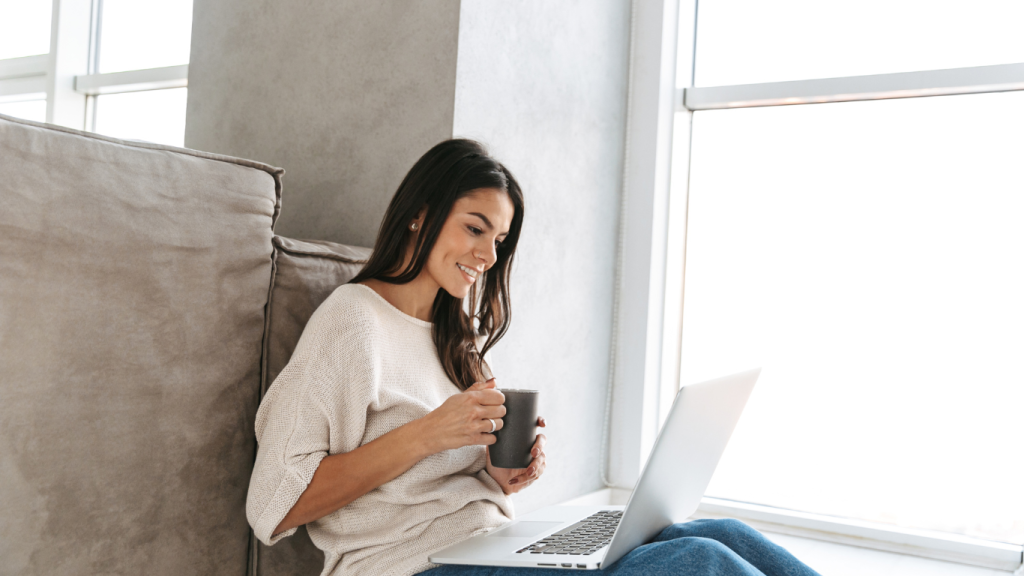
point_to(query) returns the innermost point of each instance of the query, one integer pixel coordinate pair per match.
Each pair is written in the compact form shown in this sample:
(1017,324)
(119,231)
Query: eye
(476,232)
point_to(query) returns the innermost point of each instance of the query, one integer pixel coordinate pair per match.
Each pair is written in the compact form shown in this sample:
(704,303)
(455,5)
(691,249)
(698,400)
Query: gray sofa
(145,307)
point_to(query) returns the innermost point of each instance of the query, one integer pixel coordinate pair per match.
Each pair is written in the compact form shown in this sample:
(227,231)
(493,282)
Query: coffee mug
(519,432)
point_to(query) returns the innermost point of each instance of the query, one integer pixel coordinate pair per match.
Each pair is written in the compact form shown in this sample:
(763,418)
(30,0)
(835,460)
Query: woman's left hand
(513,480)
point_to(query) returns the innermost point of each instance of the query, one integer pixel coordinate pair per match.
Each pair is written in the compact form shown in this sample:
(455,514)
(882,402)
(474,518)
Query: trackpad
(525,529)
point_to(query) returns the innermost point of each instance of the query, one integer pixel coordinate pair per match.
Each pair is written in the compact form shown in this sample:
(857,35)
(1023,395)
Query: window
(746,42)
(128,61)
(27,109)
(153,115)
(865,254)
(25,28)
(136,35)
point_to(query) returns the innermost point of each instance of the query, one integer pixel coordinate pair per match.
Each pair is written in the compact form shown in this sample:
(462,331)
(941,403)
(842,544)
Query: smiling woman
(374,433)
(457,207)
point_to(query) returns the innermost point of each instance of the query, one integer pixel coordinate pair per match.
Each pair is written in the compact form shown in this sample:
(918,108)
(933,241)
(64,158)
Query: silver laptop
(671,485)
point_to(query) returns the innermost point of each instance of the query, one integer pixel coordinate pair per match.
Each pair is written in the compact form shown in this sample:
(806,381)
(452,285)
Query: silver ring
(493,426)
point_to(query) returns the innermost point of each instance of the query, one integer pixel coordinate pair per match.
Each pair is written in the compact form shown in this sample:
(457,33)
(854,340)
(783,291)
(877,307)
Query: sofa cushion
(306,272)
(132,294)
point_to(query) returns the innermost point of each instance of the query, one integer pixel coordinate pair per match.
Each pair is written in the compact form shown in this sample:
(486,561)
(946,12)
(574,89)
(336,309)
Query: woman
(374,433)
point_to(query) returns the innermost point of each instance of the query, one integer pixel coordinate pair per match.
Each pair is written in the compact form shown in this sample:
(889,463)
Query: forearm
(342,478)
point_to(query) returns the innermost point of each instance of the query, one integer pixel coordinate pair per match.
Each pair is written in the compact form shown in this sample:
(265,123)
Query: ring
(493,426)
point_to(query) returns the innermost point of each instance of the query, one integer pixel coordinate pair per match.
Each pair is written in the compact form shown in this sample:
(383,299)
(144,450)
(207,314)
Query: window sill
(936,546)
(836,559)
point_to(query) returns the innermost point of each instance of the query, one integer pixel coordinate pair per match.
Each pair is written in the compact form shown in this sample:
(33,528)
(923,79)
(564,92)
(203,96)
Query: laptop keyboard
(584,537)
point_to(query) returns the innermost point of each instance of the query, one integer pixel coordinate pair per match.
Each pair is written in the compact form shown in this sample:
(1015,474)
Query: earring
(414,226)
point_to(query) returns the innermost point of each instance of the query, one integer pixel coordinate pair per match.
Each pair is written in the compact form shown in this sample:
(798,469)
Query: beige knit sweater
(361,369)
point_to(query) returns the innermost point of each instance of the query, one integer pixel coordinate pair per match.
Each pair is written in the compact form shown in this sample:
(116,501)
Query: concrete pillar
(344,95)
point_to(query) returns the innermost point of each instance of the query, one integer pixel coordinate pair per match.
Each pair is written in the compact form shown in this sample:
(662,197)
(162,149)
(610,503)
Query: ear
(422,213)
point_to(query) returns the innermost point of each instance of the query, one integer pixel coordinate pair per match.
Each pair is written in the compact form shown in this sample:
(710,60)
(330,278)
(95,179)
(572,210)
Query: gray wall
(544,85)
(345,95)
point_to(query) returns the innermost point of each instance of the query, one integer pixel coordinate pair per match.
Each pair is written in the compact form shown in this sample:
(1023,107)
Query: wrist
(418,438)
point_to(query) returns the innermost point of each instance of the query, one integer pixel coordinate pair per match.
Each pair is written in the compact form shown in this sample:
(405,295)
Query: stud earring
(414,226)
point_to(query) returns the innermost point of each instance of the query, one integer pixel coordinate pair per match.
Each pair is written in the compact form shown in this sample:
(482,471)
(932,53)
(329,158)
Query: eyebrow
(487,222)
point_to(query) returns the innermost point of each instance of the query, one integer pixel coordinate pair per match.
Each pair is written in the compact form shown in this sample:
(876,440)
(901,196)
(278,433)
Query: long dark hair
(447,172)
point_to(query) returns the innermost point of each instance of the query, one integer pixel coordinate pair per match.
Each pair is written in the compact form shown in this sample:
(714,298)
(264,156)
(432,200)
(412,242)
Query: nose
(489,255)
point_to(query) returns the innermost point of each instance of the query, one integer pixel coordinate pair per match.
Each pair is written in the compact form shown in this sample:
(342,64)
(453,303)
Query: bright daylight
(468,288)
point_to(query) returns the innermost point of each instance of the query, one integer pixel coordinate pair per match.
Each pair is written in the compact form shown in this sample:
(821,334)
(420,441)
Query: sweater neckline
(404,316)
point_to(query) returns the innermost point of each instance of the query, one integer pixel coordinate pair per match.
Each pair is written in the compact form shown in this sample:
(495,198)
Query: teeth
(469,271)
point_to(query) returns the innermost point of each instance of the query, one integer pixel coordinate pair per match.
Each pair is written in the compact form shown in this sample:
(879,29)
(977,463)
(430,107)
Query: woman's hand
(465,419)
(513,480)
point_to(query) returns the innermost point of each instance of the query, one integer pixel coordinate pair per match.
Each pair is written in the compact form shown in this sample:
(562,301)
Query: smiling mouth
(472,274)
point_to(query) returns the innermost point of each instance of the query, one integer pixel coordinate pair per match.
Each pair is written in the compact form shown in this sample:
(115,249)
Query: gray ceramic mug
(519,432)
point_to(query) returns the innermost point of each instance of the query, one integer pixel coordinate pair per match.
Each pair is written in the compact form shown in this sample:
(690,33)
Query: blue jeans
(697,548)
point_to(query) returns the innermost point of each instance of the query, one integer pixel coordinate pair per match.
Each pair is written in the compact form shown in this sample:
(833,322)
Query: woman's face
(467,244)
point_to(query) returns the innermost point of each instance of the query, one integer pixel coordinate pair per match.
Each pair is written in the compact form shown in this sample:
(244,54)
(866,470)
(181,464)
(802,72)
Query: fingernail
(513,481)
(534,453)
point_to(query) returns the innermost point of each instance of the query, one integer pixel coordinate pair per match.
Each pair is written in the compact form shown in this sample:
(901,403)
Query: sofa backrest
(133,283)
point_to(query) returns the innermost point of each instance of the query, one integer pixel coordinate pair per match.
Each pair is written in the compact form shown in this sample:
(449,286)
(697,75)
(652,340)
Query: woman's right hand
(463,418)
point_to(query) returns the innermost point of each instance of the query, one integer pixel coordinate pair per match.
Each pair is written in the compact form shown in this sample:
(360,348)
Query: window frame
(67,76)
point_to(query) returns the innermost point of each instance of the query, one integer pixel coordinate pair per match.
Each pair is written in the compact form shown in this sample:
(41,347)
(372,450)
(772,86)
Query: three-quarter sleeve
(298,418)
(293,436)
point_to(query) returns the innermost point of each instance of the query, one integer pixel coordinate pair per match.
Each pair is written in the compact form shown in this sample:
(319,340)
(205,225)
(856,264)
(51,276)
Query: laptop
(671,485)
